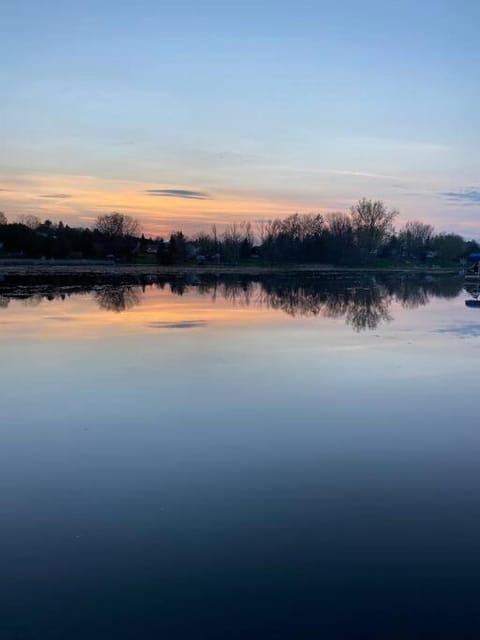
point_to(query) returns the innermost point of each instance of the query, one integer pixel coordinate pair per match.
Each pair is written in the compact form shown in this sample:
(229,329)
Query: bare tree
(420,230)
(118,225)
(338,223)
(3,218)
(340,241)
(30,221)
(237,239)
(215,237)
(266,230)
(372,223)
(415,237)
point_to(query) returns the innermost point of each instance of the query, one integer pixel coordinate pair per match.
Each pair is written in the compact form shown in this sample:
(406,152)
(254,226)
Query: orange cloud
(88,197)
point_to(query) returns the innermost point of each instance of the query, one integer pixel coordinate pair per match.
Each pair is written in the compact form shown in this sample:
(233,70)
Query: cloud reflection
(364,302)
(183,324)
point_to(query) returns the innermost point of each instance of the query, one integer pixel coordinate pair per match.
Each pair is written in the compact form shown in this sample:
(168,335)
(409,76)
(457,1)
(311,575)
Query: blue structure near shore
(474,269)
(472,281)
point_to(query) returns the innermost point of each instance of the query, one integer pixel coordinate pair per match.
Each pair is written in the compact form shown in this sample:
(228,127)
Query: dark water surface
(279,458)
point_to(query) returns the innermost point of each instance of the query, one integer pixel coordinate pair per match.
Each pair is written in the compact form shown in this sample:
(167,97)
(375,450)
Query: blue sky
(263,108)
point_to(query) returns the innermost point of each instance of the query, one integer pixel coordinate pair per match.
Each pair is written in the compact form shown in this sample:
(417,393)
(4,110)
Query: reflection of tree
(178,287)
(363,308)
(238,293)
(368,313)
(33,300)
(411,295)
(118,299)
(4,302)
(294,300)
(364,301)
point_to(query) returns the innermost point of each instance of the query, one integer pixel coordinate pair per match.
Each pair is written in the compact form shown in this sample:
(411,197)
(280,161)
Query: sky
(187,113)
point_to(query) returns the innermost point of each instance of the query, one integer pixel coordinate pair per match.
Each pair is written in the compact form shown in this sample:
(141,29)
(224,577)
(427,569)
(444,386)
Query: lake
(279,457)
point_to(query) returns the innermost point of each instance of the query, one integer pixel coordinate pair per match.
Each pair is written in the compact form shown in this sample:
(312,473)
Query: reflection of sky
(73,344)
(154,316)
(254,461)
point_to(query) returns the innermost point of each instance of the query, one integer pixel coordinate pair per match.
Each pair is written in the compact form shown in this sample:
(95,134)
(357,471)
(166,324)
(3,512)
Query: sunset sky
(188,113)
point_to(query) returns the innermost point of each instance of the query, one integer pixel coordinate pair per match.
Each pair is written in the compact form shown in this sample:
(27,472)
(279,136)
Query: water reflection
(228,461)
(473,290)
(118,299)
(365,302)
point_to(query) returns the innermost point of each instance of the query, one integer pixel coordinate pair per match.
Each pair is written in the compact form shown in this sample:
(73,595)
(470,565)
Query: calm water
(276,459)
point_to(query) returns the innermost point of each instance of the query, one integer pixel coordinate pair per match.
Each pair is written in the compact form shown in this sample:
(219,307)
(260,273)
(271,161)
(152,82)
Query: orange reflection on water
(127,310)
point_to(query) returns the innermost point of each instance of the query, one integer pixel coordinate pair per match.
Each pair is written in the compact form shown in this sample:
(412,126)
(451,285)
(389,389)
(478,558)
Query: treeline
(366,234)
(114,235)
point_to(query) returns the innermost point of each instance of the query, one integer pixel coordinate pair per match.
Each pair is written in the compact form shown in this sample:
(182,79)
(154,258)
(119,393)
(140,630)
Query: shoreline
(111,269)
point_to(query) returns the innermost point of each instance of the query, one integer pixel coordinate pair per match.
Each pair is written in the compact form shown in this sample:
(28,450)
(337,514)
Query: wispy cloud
(57,196)
(188,194)
(469,329)
(60,318)
(469,195)
(181,324)
(363,174)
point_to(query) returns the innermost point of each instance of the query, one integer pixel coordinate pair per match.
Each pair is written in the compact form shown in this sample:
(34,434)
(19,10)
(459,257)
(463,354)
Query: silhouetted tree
(117,225)
(177,248)
(237,241)
(30,221)
(449,246)
(415,238)
(372,224)
(339,238)
(206,244)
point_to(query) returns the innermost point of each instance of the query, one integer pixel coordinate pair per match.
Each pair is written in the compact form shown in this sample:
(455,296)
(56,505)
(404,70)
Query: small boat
(474,304)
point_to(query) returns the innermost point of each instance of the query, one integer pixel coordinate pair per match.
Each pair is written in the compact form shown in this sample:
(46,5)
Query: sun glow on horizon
(162,208)
(80,199)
